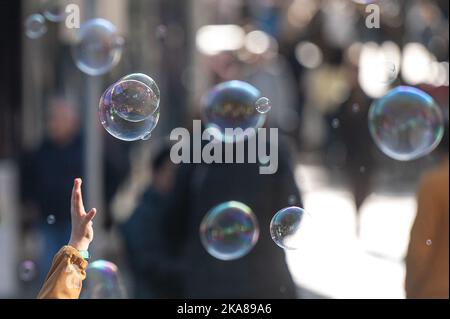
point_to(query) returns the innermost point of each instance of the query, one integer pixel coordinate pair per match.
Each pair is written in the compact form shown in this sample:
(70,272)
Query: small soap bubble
(285,227)
(263,105)
(335,123)
(35,26)
(51,219)
(27,270)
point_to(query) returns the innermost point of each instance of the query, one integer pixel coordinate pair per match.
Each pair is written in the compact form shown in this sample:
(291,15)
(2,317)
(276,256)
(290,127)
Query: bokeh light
(406,124)
(229,231)
(309,55)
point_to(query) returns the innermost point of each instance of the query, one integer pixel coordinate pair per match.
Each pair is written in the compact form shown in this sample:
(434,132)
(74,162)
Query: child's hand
(82,231)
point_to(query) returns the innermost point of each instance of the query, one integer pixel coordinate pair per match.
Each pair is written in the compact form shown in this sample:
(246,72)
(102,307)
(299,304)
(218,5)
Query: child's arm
(68,270)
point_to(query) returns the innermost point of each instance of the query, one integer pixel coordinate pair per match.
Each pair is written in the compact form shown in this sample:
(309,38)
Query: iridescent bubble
(231,105)
(285,227)
(98,47)
(229,231)
(263,105)
(51,219)
(54,10)
(35,26)
(103,281)
(120,128)
(406,123)
(27,270)
(135,97)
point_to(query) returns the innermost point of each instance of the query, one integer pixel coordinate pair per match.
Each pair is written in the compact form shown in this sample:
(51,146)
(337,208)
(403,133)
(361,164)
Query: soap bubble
(54,10)
(232,105)
(103,281)
(135,97)
(51,219)
(229,231)
(406,124)
(27,270)
(98,47)
(263,105)
(285,227)
(120,128)
(35,26)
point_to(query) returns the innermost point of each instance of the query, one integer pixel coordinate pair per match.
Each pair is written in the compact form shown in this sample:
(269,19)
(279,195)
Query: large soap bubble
(232,105)
(98,47)
(229,231)
(118,126)
(103,281)
(135,97)
(406,123)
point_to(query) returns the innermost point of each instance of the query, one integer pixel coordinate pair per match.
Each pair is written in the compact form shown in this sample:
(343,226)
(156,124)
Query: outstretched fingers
(91,214)
(77,198)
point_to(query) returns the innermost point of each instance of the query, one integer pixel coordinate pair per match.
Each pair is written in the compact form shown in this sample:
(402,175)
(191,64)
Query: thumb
(90,215)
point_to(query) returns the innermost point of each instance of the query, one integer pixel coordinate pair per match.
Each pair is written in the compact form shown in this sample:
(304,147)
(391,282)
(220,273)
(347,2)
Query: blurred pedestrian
(47,174)
(263,272)
(142,233)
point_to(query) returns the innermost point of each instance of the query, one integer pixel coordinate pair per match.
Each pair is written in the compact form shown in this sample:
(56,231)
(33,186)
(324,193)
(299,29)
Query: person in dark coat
(142,234)
(47,175)
(263,272)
